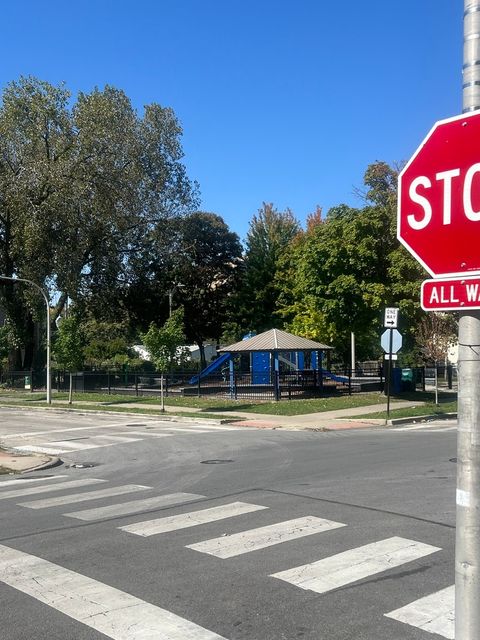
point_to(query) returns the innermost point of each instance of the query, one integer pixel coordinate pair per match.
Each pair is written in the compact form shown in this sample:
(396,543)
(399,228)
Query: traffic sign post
(439,223)
(391,342)
(391,318)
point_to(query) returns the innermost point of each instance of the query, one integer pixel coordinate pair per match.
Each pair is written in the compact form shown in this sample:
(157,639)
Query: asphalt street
(185,531)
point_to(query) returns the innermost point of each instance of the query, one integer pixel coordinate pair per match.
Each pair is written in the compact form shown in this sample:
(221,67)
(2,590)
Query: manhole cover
(82,465)
(136,424)
(452,460)
(215,461)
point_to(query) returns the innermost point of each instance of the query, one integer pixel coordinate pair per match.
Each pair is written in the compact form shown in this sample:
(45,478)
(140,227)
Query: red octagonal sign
(439,199)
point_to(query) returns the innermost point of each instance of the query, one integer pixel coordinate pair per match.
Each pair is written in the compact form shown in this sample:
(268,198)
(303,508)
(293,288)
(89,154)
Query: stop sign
(439,199)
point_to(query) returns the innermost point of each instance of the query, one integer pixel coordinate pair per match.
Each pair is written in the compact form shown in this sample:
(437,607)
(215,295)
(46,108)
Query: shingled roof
(275,340)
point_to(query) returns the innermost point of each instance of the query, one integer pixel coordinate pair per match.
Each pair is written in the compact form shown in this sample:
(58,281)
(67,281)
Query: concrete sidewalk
(12,462)
(337,419)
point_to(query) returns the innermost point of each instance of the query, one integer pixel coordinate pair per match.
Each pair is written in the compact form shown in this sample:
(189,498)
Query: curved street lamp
(47,303)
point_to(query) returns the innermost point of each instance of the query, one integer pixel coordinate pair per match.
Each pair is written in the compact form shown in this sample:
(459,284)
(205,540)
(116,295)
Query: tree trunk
(436,383)
(59,307)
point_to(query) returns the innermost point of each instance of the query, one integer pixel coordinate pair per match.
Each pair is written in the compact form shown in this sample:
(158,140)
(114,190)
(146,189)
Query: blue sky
(280,101)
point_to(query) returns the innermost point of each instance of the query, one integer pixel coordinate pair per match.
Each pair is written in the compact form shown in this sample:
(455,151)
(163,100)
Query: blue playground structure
(213,366)
(261,368)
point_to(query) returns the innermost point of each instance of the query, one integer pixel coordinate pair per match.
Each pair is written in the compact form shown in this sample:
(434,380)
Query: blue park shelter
(269,349)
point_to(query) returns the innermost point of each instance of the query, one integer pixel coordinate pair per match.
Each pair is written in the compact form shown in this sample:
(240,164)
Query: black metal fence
(242,385)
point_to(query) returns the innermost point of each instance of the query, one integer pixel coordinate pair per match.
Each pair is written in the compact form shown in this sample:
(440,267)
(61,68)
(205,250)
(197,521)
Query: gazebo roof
(275,340)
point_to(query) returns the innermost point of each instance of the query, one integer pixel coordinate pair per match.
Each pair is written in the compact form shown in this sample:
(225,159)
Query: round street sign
(439,199)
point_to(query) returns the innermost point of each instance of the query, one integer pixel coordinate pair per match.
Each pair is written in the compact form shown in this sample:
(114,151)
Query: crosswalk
(64,440)
(114,613)
(91,602)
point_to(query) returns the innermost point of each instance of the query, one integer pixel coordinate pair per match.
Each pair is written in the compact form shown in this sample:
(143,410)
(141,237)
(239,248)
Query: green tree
(346,268)
(269,237)
(81,186)
(435,333)
(197,260)
(69,345)
(107,344)
(164,343)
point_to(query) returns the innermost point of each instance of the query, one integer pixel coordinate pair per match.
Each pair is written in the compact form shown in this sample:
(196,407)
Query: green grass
(412,412)
(147,411)
(447,403)
(205,405)
(153,411)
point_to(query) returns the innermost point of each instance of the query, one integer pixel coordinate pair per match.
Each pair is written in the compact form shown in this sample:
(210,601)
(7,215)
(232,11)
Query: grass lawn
(206,405)
(447,403)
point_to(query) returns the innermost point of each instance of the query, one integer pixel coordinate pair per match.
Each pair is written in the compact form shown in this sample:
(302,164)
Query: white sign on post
(391,317)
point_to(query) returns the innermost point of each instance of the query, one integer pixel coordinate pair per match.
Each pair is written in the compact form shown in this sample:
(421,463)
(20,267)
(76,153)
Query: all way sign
(450,294)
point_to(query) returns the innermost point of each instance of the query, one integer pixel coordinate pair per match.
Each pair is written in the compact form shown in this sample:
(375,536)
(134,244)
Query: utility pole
(47,304)
(352,351)
(467,544)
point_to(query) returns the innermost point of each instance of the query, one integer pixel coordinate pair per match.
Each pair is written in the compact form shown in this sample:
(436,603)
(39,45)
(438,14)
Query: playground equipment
(213,366)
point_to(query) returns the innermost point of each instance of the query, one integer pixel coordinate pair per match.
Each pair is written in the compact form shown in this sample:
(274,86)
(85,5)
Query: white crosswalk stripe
(60,486)
(57,447)
(116,614)
(355,564)
(134,506)
(434,613)
(83,497)
(73,446)
(109,610)
(192,430)
(33,448)
(27,481)
(148,434)
(425,427)
(254,539)
(191,519)
(101,435)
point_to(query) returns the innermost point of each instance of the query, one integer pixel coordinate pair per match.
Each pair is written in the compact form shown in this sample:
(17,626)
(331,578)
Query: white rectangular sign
(391,317)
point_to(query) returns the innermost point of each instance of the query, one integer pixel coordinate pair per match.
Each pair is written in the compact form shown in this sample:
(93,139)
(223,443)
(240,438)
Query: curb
(13,452)
(53,462)
(164,416)
(415,419)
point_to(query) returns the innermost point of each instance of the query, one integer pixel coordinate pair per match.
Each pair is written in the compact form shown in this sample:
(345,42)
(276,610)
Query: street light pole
(47,303)
(467,546)
(170,297)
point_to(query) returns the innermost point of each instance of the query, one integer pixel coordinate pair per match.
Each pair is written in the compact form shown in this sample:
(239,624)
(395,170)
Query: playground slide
(334,377)
(211,367)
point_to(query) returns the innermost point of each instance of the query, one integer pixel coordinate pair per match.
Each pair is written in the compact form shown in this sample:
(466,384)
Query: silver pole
(352,346)
(471,55)
(467,544)
(47,303)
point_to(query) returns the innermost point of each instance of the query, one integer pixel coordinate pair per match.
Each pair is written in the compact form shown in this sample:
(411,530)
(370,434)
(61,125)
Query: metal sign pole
(389,372)
(467,545)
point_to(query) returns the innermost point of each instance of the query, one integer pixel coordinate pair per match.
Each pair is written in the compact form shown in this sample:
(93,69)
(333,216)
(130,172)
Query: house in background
(210,352)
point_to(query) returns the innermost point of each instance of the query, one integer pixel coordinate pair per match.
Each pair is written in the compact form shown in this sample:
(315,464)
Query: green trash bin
(407,383)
